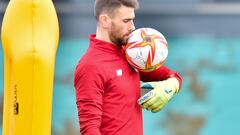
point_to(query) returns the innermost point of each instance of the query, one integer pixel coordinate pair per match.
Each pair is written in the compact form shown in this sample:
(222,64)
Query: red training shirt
(107,90)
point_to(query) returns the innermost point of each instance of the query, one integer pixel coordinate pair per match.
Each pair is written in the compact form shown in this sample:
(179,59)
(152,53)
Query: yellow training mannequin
(30,34)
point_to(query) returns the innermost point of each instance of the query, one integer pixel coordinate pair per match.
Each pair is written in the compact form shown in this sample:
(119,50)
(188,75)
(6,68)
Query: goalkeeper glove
(159,96)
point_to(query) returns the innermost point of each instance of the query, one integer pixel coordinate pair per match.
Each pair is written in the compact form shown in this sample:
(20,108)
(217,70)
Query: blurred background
(204,46)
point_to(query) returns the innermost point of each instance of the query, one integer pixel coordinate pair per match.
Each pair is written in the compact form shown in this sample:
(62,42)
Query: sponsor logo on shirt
(119,72)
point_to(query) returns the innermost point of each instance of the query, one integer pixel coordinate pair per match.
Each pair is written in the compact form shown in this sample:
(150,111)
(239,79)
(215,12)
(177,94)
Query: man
(107,88)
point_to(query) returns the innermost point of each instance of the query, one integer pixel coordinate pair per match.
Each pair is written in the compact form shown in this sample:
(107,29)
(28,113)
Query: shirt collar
(103,45)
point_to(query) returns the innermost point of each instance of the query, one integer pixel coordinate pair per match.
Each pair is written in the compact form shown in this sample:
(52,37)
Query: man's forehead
(125,11)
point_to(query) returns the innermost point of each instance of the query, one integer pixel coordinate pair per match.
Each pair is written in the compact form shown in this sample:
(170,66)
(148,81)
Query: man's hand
(162,92)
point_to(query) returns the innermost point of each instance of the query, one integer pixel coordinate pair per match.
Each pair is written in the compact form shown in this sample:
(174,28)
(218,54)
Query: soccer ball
(146,49)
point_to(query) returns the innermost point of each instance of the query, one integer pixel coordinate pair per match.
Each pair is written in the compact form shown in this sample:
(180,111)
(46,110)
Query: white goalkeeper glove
(159,96)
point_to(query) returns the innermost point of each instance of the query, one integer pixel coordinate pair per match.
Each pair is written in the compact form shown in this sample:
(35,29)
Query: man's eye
(126,21)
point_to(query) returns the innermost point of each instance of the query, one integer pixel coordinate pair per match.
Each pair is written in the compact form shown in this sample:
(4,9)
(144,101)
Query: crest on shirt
(119,72)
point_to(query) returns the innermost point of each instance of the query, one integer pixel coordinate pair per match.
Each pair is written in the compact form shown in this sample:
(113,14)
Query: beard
(117,38)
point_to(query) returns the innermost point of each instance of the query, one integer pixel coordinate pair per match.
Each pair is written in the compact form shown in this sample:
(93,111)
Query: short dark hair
(109,6)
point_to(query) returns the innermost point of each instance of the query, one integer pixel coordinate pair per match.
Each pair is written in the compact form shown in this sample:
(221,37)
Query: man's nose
(131,26)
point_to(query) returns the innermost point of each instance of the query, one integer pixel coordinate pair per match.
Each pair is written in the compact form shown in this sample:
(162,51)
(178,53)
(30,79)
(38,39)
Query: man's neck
(102,35)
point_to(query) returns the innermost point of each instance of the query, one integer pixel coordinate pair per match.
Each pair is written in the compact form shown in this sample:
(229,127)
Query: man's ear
(105,20)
